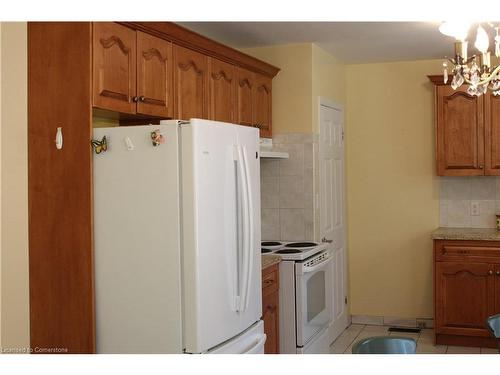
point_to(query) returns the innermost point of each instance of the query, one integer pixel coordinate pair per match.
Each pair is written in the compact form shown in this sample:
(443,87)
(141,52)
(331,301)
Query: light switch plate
(474,208)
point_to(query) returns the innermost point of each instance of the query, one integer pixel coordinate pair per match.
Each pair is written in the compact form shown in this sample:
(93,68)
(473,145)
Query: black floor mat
(404,329)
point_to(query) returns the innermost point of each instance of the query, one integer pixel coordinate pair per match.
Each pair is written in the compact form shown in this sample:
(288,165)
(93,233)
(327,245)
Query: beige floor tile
(413,335)
(462,350)
(382,330)
(341,344)
(355,327)
(429,348)
(489,351)
(345,339)
(427,333)
(349,349)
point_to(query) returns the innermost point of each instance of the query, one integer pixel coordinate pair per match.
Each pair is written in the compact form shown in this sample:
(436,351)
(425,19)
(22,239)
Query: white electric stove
(296,251)
(306,278)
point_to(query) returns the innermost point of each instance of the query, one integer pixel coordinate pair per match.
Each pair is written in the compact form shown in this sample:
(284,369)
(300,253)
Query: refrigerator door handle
(237,236)
(249,234)
(246,230)
(238,183)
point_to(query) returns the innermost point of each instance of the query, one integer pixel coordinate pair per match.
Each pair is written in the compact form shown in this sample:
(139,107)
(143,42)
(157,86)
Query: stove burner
(301,244)
(264,251)
(270,243)
(288,251)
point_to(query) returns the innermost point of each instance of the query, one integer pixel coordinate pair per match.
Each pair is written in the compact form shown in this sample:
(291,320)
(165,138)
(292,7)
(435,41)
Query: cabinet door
(154,76)
(191,84)
(263,104)
(114,67)
(460,138)
(244,87)
(492,134)
(222,82)
(497,290)
(464,297)
(270,315)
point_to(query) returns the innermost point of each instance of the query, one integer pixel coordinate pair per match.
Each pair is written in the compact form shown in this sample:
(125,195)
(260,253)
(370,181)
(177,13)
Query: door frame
(326,102)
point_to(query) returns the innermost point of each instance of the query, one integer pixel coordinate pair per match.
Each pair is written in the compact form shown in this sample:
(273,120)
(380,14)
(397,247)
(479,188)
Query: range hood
(270,154)
(267,152)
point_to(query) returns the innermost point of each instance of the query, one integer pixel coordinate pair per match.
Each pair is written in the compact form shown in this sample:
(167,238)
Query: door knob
(490,272)
(324,240)
(498,273)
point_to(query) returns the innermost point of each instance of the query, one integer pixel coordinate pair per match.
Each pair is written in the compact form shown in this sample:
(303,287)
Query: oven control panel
(317,259)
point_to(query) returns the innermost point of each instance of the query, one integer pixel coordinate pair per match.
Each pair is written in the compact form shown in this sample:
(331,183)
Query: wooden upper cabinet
(222,84)
(154,76)
(191,84)
(460,133)
(135,72)
(114,67)
(464,298)
(263,104)
(492,134)
(244,88)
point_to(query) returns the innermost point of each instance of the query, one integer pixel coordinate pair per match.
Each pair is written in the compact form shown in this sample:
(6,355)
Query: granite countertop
(484,234)
(269,259)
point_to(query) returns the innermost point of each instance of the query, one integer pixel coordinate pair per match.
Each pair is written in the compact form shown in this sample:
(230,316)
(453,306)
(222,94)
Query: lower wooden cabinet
(467,291)
(270,308)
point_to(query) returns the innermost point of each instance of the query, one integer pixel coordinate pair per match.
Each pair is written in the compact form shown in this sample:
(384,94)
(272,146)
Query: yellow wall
(14,173)
(328,80)
(393,202)
(292,88)
(307,71)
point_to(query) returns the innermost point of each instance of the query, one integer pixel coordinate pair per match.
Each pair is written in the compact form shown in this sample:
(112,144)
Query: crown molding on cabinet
(189,39)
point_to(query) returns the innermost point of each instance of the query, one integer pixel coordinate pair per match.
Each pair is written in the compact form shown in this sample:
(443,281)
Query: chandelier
(477,73)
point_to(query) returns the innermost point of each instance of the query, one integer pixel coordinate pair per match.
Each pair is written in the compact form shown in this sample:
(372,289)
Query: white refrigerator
(177,239)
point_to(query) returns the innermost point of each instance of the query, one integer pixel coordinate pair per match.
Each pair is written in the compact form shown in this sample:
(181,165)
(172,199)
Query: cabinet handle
(481,167)
(490,272)
(135,99)
(142,98)
(498,273)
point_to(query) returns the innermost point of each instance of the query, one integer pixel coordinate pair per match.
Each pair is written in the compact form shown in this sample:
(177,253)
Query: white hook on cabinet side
(59,139)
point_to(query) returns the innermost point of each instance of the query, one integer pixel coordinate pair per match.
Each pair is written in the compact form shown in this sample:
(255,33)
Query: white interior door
(332,206)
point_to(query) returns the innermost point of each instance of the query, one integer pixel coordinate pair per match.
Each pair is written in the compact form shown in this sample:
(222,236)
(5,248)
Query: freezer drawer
(249,342)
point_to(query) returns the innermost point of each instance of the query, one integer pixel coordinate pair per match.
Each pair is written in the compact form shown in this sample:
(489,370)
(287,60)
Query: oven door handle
(317,266)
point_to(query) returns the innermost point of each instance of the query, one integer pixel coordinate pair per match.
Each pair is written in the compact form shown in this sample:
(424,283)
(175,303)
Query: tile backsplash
(456,196)
(287,189)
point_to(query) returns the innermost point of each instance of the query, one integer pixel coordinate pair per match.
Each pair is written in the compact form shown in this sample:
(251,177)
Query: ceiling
(351,42)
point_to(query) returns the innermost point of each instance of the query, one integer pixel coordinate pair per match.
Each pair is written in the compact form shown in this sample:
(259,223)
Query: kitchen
(398,291)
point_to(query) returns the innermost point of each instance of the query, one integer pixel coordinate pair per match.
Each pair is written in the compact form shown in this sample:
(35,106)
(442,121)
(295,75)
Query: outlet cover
(474,208)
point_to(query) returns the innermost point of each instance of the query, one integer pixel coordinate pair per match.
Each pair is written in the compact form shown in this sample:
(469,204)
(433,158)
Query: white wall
(14,186)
